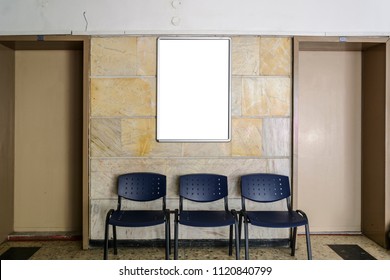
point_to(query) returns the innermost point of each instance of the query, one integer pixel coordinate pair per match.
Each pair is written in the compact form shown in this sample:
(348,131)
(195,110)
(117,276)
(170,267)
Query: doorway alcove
(44,135)
(328,139)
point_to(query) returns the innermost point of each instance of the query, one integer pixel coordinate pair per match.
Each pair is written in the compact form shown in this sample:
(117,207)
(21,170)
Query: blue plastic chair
(140,187)
(269,188)
(205,188)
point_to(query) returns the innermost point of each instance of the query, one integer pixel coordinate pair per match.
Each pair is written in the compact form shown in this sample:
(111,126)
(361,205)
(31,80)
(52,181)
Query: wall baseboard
(192,243)
(44,236)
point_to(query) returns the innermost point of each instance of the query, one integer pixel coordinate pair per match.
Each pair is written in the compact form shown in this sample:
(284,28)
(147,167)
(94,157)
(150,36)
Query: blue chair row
(206,188)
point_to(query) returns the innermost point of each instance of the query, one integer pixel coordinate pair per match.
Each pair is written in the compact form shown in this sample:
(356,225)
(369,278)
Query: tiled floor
(71,250)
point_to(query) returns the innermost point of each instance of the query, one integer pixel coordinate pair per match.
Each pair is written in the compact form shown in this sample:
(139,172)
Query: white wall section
(261,17)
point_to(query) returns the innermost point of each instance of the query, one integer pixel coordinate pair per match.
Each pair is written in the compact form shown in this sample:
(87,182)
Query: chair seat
(137,218)
(276,219)
(206,218)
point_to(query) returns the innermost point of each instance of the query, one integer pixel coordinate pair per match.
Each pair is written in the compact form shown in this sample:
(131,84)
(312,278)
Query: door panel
(48,140)
(329,140)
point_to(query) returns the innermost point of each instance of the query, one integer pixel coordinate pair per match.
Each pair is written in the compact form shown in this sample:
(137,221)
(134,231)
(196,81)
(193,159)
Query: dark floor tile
(351,252)
(19,253)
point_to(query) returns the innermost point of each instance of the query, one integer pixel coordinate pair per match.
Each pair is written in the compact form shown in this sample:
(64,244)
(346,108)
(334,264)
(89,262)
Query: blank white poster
(193,90)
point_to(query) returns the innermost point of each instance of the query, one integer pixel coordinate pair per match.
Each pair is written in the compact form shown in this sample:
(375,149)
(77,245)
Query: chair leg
(167,238)
(114,237)
(237,240)
(308,243)
(169,234)
(239,226)
(176,233)
(105,254)
(230,240)
(246,233)
(239,231)
(293,240)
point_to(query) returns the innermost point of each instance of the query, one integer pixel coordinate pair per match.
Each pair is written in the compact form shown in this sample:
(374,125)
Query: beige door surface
(48,144)
(329,140)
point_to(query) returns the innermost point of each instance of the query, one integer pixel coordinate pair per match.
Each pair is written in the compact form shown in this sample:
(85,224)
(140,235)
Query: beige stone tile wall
(123,124)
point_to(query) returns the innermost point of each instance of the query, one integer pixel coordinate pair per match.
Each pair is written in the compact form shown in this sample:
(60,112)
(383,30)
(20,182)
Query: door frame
(327,43)
(85,40)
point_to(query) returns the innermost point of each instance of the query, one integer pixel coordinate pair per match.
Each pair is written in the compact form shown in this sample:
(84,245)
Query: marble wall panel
(114,56)
(246,137)
(98,211)
(236,96)
(275,56)
(104,184)
(146,56)
(268,96)
(245,55)
(105,137)
(125,165)
(105,171)
(139,139)
(276,137)
(206,149)
(280,166)
(138,136)
(123,97)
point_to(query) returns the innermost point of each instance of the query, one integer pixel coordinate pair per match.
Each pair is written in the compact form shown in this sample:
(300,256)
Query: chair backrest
(203,188)
(142,186)
(262,187)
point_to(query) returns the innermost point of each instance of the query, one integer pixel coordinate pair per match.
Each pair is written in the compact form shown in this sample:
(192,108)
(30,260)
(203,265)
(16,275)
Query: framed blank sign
(193,89)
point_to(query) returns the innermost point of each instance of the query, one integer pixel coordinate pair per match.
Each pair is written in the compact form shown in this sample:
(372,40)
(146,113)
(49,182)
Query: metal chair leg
(246,239)
(293,240)
(308,243)
(239,226)
(114,237)
(237,241)
(176,233)
(230,240)
(105,254)
(169,235)
(167,238)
